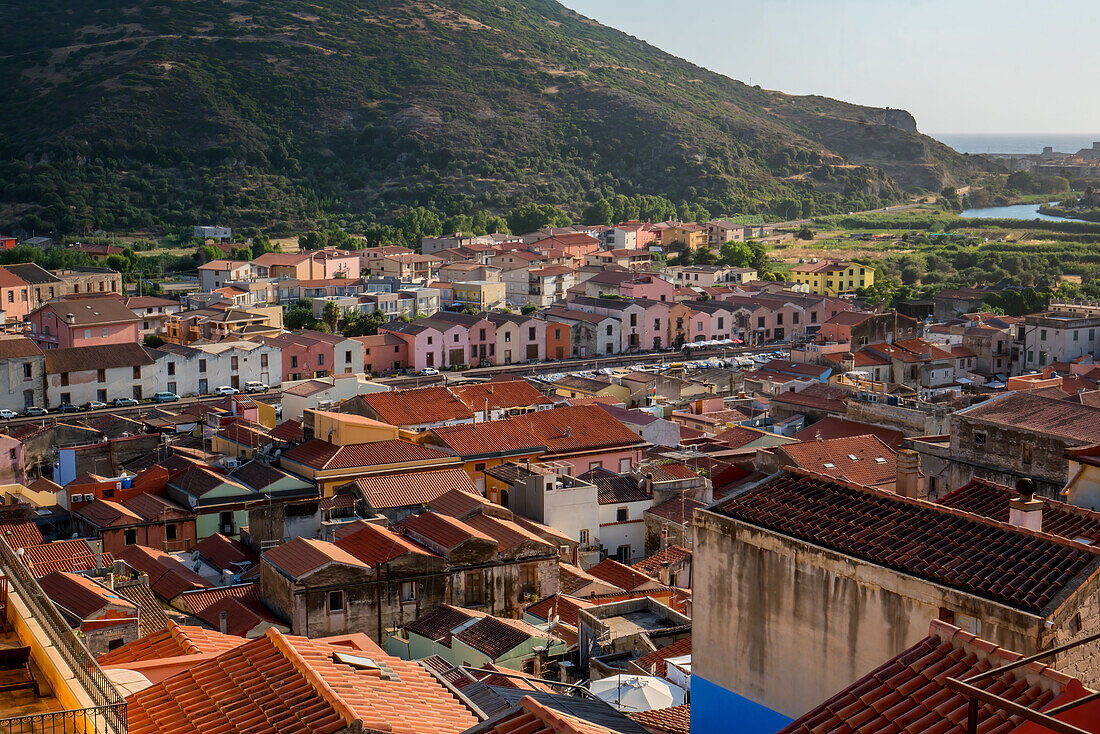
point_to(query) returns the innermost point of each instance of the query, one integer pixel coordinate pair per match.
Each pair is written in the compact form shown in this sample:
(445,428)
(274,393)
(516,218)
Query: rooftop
(384,491)
(988,499)
(1019,568)
(417,406)
(860,459)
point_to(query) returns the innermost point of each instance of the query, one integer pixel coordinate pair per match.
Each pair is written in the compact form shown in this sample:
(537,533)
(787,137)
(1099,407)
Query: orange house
(558,340)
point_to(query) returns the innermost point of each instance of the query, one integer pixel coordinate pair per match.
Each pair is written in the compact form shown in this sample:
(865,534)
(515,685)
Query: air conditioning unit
(232,463)
(227,530)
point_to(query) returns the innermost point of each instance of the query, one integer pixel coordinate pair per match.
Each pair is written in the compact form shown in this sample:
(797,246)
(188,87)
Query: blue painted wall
(714,709)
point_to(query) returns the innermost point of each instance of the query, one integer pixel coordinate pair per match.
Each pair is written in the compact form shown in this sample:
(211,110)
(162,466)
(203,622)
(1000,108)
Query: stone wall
(908,421)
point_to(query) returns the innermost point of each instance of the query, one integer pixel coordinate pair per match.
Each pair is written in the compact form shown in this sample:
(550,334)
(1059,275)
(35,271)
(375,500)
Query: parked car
(5,413)
(93,405)
(124,402)
(428,371)
(255,386)
(34,410)
(225,390)
(67,408)
(165,397)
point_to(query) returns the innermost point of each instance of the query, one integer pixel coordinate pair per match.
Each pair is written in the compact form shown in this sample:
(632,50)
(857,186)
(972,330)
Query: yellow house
(345,429)
(578,386)
(691,236)
(833,277)
(484,295)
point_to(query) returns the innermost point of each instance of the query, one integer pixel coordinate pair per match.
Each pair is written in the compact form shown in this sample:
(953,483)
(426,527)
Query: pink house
(329,263)
(780,316)
(644,323)
(383,353)
(79,321)
(456,340)
(650,287)
(481,333)
(519,338)
(424,343)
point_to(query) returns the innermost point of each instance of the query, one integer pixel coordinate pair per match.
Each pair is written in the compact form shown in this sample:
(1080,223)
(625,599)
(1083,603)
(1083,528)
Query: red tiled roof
(737,436)
(437,624)
(374,544)
(199,600)
(246,433)
(613,489)
(475,439)
(1062,418)
(442,531)
(1022,569)
(874,462)
(81,596)
(678,509)
(63,555)
(493,637)
(532,717)
(289,431)
(457,503)
(908,694)
(500,395)
(562,606)
(506,533)
(285,683)
(323,455)
(167,577)
(654,662)
(302,555)
(620,575)
(573,578)
(675,720)
(417,406)
(651,566)
(819,396)
(988,499)
(415,488)
(833,427)
(21,534)
(244,617)
(174,641)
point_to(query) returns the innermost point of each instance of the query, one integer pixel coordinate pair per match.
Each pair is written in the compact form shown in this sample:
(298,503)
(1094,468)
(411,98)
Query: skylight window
(880,460)
(830,465)
(853,457)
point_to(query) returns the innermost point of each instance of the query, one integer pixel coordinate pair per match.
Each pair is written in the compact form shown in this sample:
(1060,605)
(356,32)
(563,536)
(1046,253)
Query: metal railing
(84,668)
(75,721)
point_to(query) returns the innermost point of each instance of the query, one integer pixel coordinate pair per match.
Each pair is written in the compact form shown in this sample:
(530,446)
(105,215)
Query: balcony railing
(75,721)
(110,707)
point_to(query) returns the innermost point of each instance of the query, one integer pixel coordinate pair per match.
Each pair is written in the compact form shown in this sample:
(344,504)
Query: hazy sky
(960,66)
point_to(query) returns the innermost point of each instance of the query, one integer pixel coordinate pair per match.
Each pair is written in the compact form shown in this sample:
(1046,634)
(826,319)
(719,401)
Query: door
(507,356)
(532,352)
(235,381)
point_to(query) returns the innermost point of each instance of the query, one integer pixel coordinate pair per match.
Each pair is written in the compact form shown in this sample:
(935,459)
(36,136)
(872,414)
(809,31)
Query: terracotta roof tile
(374,544)
(200,600)
(167,577)
(225,553)
(492,637)
(174,641)
(64,555)
(573,578)
(620,575)
(418,406)
(303,555)
(284,683)
(384,491)
(860,459)
(442,532)
(289,431)
(919,701)
(21,534)
(151,616)
(533,717)
(675,720)
(81,596)
(1021,569)
(500,395)
(988,499)
(651,566)
(562,606)
(833,427)
(613,489)
(654,662)
(438,624)
(320,454)
(506,533)
(1047,416)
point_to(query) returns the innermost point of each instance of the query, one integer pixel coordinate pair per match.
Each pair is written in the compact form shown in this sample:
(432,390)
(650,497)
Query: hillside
(276,113)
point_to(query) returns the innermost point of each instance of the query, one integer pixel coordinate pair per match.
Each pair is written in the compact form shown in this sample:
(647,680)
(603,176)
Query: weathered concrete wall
(788,623)
(908,421)
(992,451)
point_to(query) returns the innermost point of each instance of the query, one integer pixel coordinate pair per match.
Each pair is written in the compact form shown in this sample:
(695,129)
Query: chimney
(664,576)
(223,622)
(111,581)
(1025,511)
(540,660)
(909,482)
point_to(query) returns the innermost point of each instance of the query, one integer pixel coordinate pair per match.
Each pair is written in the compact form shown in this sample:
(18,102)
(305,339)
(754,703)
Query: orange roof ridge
(182,639)
(982,648)
(323,689)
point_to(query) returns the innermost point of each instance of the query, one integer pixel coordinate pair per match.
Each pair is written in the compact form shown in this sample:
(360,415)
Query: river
(1014,211)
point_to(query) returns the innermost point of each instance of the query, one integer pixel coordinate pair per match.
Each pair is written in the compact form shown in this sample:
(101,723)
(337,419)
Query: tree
(300,317)
(417,223)
(599,212)
(528,308)
(530,217)
(805,233)
(330,314)
(153,341)
(361,324)
(736,254)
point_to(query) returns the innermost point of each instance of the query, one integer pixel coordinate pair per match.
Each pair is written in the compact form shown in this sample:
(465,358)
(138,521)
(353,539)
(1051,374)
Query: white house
(103,372)
(217,273)
(200,369)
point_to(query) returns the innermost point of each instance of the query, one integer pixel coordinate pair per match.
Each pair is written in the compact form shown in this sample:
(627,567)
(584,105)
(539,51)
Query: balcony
(72,694)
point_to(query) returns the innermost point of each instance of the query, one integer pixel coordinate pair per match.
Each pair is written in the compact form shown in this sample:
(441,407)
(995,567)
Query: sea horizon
(1020,143)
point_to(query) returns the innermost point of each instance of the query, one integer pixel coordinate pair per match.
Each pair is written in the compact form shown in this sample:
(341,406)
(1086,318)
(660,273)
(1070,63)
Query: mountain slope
(147,112)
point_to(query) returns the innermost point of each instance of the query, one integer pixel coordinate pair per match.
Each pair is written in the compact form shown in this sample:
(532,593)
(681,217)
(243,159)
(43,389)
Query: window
(1042,335)
(760,322)
(293,361)
(87,333)
(584,537)
(623,553)
(699,326)
(51,291)
(202,365)
(171,368)
(779,319)
(721,322)
(979,439)
(1076,334)
(347,354)
(794,317)
(263,361)
(475,589)
(633,319)
(530,334)
(429,340)
(408,592)
(528,578)
(104,334)
(137,372)
(557,333)
(595,465)
(622,514)
(335,602)
(624,466)
(12,454)
(64,379)
(170,531)
(481,334)
(130,536)
(235,361)
(609,329)
(1025,455)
